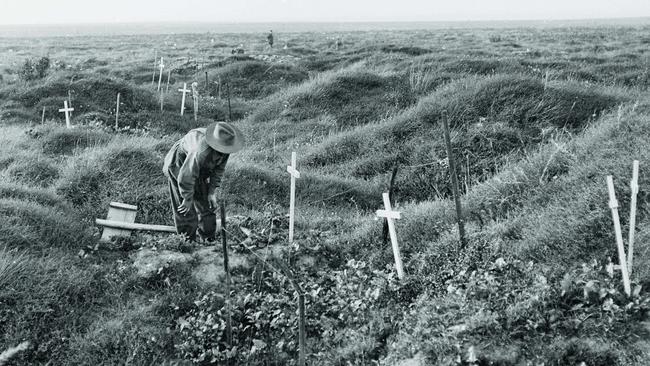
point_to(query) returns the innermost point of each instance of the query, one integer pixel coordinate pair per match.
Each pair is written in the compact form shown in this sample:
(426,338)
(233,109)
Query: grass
(538,120)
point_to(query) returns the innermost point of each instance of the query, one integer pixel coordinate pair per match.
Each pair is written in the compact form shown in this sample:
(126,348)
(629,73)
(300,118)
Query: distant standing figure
(194,167)
(270,38)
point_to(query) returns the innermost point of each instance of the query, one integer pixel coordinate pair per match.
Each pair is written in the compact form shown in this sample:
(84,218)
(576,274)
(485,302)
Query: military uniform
(194,172)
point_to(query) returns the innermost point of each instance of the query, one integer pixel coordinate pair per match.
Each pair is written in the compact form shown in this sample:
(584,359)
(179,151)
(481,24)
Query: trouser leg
(185,224)
(207,220)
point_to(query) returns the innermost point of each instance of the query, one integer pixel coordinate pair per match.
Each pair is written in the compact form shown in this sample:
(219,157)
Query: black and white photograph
(335,183)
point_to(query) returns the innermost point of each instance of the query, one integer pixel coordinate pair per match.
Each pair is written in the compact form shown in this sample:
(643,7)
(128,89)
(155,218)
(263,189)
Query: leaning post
(454,182)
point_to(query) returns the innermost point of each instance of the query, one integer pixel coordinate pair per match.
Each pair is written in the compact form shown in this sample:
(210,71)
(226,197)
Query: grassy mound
(128,171)
(58,140)
(34,170)
(38,293)
(351,97)
(253,186)
(89,94)
(40,228)
(255,79)
(494,120)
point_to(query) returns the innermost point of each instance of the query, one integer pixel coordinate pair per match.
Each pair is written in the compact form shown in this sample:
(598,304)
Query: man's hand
(184,207)
(212,199)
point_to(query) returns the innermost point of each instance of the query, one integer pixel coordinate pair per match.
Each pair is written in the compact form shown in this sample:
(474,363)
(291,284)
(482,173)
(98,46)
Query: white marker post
(195,98)
(634,185)
(292,203)
(391,215)
(117,112)
(184,91)
(161,66)
(613,205)
(67,111)
(169,75)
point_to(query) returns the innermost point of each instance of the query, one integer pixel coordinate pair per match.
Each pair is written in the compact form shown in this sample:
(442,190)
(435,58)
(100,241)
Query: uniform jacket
(191,161)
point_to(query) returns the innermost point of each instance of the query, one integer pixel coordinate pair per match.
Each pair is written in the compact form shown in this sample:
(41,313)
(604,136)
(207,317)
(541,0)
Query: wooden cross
(391,215)
(67,111)
(185,90)
(161,66)
(292,204)
(613,205)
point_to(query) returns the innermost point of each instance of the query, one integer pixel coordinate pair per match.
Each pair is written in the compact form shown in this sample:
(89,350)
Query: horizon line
(157,22)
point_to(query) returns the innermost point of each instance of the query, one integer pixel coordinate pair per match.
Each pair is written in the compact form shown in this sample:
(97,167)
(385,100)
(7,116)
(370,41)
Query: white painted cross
(67,111)
(634,186)
(613,205)
(292,204)
(185,90)
(391,215)
(161,66)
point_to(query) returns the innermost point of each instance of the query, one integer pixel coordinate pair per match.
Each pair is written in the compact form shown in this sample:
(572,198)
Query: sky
(238,11)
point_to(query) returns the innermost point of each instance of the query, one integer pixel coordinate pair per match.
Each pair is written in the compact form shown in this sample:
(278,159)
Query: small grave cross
(390,216)
(67,111)
(161,66)
(185,90)
(294,174)
(613,205)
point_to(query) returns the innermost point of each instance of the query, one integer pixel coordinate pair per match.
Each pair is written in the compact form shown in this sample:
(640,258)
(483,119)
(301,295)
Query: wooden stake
(155,58)
(70,101)
(184,91)
(301,329)
(67,111)
(292,203)
(219,87)
(229,109)
(117,112)
(43,116)
(162,100)
(634,185)
(390,216)
(169,74)
(206,79)
(162,66)
(226,268)
(613,205)
(195,98)
(454,182)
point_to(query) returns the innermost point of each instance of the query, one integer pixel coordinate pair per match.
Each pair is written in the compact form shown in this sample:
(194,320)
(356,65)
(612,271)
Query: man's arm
(187,176)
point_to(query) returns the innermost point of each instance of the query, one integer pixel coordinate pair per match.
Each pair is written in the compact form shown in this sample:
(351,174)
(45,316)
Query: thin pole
(292,203)
(454,182)
(70,101)
(229,109)
(226,268)
(161,73)
(43,116)
(613,205)
(206,79)
(301,330)
(162,100)
(634,185)
(153,75)
(117,111)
